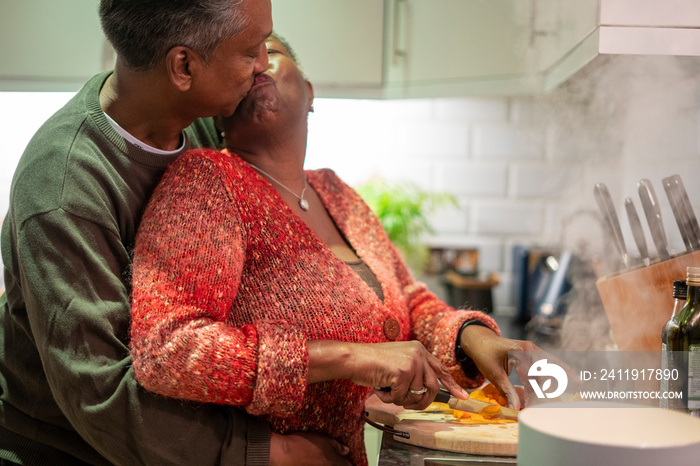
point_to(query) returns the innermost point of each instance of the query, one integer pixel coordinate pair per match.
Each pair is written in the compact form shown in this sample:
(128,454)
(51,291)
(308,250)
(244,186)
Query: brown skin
(154,106)
(269,130)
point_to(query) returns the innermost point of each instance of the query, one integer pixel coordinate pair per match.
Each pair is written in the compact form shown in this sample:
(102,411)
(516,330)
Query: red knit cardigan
(229,284)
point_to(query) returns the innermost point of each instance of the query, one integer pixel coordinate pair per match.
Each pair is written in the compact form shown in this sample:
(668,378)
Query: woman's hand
(408,374)
(307,448)
(490,354)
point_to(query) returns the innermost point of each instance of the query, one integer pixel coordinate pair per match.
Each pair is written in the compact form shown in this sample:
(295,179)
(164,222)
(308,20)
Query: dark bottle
(690,330)
(670,345)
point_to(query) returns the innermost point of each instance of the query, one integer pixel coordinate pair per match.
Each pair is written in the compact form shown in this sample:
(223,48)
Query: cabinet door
(50,45)
(480,47)
(649,13)
(446,42)
(650,27)
(338,42)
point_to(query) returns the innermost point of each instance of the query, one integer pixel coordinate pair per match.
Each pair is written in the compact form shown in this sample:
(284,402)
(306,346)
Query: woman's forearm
(329,360)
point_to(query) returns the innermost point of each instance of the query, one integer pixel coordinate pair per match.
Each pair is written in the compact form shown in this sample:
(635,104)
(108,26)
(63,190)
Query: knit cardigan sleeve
(433,322)
(436,324)
(188,259)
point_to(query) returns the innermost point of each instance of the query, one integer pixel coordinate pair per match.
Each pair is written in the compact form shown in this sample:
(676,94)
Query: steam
(620,119)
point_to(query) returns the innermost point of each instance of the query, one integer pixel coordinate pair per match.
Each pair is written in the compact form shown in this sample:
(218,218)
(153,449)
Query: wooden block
(639,302)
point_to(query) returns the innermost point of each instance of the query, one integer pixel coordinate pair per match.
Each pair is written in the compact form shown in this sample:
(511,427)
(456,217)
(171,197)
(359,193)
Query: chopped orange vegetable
(489,394)
(491,410)
(461,414)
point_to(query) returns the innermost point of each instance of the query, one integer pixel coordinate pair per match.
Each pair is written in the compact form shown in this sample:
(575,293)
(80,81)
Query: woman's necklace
(303,203)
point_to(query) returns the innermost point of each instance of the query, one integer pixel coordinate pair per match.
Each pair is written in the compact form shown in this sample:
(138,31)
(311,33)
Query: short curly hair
(143,31)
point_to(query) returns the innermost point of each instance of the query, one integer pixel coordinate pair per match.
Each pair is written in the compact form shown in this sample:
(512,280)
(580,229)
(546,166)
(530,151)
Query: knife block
(639,302)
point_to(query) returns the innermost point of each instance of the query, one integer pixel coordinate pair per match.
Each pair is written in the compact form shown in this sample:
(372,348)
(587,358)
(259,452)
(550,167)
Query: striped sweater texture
(229,284)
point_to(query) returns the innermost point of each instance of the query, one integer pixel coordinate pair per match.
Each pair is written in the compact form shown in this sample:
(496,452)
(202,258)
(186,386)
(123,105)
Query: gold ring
(420,392)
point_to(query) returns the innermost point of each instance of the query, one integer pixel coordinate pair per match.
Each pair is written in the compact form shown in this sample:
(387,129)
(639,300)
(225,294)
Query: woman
(261,285)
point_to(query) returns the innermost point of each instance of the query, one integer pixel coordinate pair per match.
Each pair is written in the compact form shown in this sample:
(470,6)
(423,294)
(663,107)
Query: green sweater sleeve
(77,307)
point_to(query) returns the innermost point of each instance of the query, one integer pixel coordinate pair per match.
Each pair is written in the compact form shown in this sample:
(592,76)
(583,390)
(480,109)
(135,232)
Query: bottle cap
(693,275)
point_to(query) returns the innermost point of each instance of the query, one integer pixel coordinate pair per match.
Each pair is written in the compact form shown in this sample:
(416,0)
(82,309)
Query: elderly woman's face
(281,93)
(282,67)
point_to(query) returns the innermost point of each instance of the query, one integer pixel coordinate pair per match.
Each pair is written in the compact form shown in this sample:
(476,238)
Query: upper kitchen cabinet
(428,48)
(650,27)
(482,47)
(442,48)
(50,45)
(339,43)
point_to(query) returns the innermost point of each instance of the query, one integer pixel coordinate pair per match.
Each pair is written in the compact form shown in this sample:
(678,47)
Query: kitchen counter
(393,453)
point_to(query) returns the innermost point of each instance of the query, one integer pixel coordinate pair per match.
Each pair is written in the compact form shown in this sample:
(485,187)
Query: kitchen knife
(693,228)
(652,212)
(679,212)
(605,203)
(637,231)
(474,406)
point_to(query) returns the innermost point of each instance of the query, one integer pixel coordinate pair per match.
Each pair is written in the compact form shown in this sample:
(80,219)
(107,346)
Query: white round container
(600,433)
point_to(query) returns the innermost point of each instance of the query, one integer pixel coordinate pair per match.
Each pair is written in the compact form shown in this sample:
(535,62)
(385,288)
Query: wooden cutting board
(440,430)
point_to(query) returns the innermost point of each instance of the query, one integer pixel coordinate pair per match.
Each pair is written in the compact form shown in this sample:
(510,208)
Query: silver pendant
(304,204)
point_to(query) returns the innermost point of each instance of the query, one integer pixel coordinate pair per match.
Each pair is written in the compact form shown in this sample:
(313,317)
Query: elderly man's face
(229,74)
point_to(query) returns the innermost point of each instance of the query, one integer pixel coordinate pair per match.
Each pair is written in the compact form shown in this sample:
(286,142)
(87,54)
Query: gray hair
(143,31)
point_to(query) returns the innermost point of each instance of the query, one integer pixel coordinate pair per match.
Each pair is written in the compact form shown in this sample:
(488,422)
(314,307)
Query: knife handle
(693,227)
(637,231)
(610,220)
(443,396)
(652,212)
(679,213)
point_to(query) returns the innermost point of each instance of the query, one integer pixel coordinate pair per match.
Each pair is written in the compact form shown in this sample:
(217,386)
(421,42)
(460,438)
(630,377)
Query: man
(67,391)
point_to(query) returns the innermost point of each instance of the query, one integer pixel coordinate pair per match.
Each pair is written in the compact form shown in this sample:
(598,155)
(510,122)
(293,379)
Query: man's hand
(307,449)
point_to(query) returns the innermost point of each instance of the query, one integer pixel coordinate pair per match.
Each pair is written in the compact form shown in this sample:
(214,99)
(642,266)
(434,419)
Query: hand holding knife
(468,405)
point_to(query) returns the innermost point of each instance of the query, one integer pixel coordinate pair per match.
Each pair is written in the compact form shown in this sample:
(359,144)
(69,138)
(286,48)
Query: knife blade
(679,212)
(607,208)
(687,208)
(652,212)
(637,231)
(474,406)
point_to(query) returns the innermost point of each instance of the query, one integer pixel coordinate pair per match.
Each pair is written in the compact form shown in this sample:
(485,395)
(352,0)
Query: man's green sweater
(67,388)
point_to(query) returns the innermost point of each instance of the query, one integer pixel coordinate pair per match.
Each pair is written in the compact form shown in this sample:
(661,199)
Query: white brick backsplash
(477,179)
(539,180)
(527,110)
(416,172)
(479,110)
(661,139)
(409,109)
(510,142)
(433,140)
(507,218)
(451,219)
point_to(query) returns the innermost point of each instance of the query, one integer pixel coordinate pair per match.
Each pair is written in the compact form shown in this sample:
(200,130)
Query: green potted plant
(403,209)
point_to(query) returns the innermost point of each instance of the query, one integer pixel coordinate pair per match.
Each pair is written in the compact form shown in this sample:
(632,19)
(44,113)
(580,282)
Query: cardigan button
(392,329)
